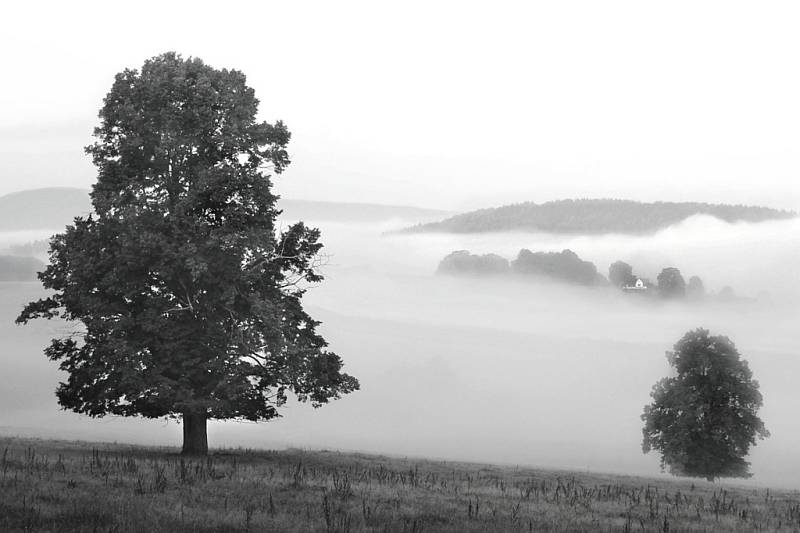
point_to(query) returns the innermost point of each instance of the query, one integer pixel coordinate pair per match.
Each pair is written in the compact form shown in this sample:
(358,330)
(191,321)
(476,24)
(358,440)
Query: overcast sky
(451,105)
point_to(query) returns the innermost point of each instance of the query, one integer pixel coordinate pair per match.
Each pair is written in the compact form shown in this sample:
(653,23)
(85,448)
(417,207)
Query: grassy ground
(72,486)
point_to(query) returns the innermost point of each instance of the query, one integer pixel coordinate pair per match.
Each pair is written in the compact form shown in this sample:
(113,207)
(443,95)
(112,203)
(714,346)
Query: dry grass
(71,487)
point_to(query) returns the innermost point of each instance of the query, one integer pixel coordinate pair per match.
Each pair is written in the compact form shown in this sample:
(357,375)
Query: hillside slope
(593,217)
(71,487)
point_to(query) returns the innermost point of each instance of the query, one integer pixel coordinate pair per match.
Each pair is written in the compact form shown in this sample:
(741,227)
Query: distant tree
(620,274)
(704,420)
(726,294)
(764,296)
(671,283)
(695,288)
(463,262)
(189,300)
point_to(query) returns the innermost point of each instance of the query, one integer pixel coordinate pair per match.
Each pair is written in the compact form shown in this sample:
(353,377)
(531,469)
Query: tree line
(567,266)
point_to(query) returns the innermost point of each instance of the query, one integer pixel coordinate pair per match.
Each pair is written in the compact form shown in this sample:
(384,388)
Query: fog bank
(509,371)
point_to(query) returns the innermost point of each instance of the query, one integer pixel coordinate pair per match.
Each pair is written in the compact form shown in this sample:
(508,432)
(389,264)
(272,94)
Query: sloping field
(72,486)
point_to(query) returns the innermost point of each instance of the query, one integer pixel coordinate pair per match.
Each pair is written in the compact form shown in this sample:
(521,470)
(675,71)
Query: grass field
(77,486)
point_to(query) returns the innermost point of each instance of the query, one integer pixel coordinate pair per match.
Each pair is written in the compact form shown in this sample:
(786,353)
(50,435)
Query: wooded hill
(594,216)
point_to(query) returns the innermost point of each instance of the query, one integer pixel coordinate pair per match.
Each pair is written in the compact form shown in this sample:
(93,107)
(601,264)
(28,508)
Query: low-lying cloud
(511,370)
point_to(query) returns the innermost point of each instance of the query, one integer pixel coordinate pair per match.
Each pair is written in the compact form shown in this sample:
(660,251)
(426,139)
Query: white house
(639,286)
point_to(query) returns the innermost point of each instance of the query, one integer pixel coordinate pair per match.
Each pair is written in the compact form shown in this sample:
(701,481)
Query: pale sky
(451,105)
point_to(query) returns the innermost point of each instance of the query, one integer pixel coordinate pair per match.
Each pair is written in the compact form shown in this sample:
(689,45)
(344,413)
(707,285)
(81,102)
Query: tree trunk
(195,436)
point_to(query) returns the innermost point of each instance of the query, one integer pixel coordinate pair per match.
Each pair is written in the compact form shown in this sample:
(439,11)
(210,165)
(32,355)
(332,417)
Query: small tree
(727,294)
(695,288)
(704,420)
(620,274)
(671,283)
(188,297)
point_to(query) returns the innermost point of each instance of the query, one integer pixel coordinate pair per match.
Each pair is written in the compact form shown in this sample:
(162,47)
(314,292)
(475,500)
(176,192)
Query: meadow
(59,486)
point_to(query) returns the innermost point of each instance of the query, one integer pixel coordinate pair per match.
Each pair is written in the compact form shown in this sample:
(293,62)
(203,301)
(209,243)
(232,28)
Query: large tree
(704,419)
(187,297)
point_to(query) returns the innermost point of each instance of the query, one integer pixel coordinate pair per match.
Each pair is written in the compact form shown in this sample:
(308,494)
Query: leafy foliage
(594,216)
(188,297)
(704,420)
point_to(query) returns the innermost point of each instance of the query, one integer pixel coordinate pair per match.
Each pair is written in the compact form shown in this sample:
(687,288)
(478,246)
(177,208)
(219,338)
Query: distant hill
(353,212)
(13,268)
(593,217)
(51,208)
(54,208)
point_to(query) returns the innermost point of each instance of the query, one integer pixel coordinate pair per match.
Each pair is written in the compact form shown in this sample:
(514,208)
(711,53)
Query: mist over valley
(493,370)
(432,268)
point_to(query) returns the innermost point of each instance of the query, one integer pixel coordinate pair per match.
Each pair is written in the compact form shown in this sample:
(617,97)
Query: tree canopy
(620,274)
(671,283)
(188,296)
(695,289)
(704,419)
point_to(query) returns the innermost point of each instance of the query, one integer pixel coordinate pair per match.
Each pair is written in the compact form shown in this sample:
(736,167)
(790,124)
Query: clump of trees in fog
(188,297)
(564,265)
(703,420)
(594,216)
(670,284)
(463,262)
